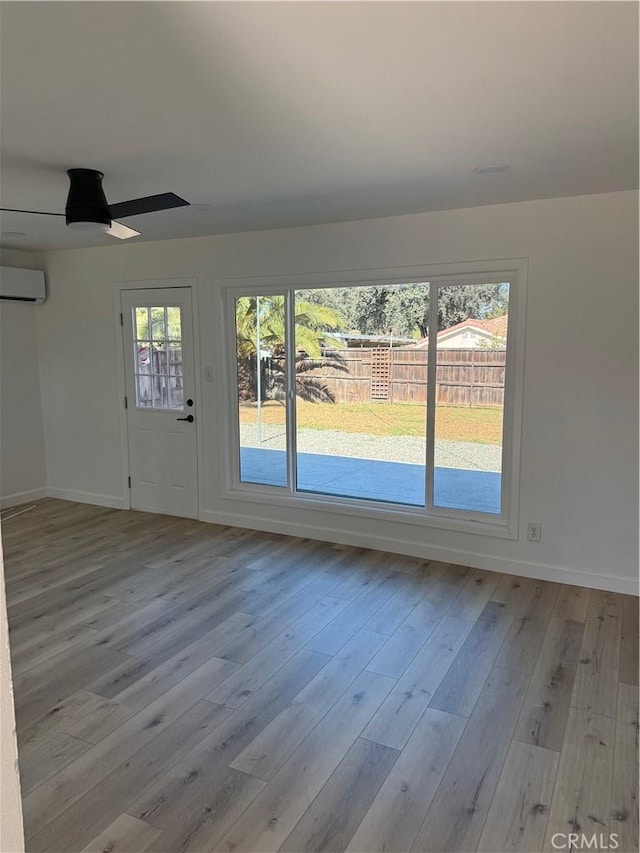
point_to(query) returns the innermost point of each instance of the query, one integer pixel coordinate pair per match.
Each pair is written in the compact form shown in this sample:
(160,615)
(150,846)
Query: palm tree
(260,322)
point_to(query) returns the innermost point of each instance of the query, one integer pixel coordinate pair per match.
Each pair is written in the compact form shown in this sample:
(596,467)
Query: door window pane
(261,383)
(361,392)
(143,357)
(176,392)
(160,393)
(158,362)
(160,358)
(144,392)
(141,323)
(158,323)
(174,323)
(175,358)
(471,360)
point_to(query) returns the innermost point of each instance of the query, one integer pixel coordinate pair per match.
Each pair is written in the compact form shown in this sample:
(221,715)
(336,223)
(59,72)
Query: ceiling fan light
(122,232)
(89,227)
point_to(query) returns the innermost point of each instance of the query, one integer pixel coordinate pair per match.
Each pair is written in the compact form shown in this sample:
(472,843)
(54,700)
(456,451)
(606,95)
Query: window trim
(505,525)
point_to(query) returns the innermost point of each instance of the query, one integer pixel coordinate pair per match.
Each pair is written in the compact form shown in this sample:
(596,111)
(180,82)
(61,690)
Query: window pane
(261,381)
(141,323)
(158,323)
(175,358)
(144,395)
(174,323)
(160,392)
(159,357)
(176,393)
(143,357)
(471,358)
(361,391)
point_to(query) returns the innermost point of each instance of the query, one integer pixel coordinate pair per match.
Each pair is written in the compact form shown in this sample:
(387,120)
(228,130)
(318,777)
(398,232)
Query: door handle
(189,419)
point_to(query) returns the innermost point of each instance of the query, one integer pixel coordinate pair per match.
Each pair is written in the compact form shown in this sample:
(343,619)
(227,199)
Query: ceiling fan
(87,209)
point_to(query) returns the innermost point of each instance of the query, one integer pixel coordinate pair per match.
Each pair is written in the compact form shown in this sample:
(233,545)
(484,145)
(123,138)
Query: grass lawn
(455,423)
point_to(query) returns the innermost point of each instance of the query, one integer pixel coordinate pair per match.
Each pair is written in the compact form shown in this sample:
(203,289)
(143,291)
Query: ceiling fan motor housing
(86,202)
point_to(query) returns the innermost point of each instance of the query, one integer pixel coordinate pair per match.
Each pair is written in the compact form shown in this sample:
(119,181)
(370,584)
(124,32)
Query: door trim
(155,284)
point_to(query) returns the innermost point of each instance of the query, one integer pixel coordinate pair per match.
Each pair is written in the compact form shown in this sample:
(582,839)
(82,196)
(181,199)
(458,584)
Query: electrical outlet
(534,532)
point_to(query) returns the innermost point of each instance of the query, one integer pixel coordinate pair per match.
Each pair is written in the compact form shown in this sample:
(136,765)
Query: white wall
(579,442)
(22,463)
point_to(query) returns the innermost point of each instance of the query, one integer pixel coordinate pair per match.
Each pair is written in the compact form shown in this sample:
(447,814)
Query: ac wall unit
(18,285)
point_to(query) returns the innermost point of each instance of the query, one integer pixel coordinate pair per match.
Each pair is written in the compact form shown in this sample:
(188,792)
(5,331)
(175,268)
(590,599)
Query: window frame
(505,525)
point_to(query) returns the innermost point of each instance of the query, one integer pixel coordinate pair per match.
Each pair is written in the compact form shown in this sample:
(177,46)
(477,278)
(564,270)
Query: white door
(161,405)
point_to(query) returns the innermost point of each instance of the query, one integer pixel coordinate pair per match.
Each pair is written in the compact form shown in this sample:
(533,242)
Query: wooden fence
(470,377)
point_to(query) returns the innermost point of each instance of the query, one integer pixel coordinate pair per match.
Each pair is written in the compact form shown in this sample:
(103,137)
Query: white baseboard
(23,497)
(88,498)
(537,571)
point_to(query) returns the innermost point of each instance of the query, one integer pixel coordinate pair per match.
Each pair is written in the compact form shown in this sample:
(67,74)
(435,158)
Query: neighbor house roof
(495,327)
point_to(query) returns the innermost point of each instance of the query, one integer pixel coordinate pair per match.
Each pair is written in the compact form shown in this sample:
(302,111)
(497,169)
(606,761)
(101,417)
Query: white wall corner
(23,497)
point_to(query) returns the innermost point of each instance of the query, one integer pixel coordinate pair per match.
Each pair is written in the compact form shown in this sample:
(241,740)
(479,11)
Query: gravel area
(397,448)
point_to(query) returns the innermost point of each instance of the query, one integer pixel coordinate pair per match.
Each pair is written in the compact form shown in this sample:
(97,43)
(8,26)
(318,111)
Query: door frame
(156,284)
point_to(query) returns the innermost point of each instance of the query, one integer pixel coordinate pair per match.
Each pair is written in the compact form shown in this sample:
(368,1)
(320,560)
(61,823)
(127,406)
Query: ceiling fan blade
(149,204)
(122,232)
(37,212)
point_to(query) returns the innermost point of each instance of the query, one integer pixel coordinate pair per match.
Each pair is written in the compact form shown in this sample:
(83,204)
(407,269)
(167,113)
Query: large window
(378,395)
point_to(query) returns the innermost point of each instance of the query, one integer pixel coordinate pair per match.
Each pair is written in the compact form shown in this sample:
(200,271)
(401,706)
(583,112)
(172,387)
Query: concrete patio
(370,479)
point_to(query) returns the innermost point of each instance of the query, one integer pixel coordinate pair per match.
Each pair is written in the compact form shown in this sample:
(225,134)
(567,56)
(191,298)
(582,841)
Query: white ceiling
(280,114)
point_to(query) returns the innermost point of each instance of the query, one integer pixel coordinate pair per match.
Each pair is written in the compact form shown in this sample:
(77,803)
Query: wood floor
(188,687)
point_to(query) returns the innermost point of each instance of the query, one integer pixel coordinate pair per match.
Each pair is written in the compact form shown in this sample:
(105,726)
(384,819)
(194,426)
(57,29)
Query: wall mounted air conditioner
(18,285)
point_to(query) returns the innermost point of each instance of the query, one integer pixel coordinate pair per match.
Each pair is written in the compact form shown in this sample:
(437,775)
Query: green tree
(260,324)
(403,310)
(482,302)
